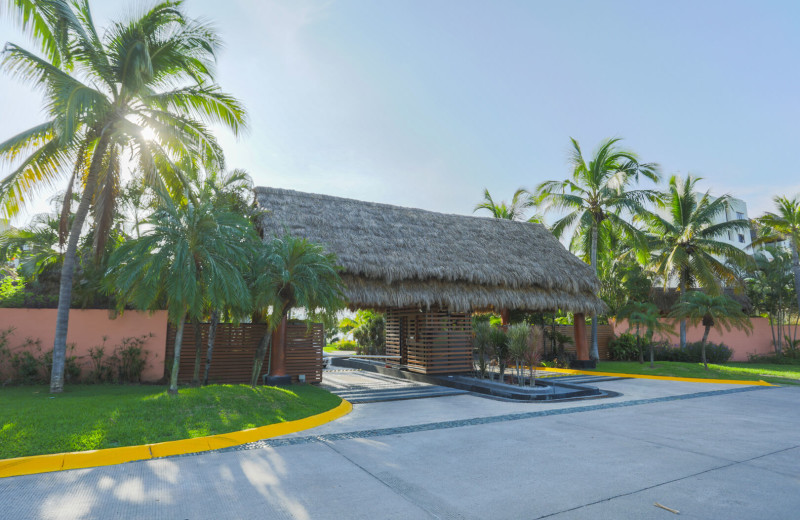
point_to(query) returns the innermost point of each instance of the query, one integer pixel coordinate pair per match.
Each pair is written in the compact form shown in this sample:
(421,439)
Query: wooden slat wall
(605,333)
(304,350)
(235,347)
(436,342)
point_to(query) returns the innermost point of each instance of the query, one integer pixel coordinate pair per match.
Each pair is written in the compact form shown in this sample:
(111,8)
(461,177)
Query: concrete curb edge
(106,457)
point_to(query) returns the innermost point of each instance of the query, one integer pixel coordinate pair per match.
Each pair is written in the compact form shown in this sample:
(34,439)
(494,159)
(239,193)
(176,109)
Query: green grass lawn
(776,374)
(89,417)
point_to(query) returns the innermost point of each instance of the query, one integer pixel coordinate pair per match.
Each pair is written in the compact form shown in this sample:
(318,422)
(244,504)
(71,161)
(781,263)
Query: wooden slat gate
(235,347)
(605,333)
(430,342)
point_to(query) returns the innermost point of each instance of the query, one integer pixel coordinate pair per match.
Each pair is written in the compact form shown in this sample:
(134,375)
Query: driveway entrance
(358,386)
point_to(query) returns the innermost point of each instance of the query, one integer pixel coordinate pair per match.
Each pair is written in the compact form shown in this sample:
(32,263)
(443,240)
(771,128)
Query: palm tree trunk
(683,320)
(772,329)
(703,346)
(198,351)
(261,352)
(639,346)
(68,269)
(594,353)
(212,334)
(176,361)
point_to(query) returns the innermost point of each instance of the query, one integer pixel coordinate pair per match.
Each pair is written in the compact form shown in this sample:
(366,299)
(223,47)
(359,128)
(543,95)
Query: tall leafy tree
(770,289)
(292,272)
(145,89)
(685,243)
(193,256)
(595,198)
(784,224)
(521,202)
(711,310)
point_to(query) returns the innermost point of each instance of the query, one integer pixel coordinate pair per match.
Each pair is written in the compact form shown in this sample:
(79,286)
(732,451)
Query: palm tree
(228,191)
(521,201)
(770,288)
(643,315)
(685,243)
(712,311)
(192,255)
(34,246)
(145,90)
(785,224)
(595,196)
(292,272)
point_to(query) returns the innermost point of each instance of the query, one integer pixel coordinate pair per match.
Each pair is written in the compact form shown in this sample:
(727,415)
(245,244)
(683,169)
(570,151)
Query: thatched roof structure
(400,257)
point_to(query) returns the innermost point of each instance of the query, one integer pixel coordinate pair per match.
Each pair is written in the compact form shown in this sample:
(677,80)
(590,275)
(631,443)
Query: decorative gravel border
(444,425)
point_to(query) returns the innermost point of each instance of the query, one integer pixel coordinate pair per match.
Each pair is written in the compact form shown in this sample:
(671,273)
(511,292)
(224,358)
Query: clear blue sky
(424,102)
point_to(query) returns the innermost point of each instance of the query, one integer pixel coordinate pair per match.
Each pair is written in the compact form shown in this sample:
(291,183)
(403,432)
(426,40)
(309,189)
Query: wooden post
(279,349)
(581,347)
(504,317)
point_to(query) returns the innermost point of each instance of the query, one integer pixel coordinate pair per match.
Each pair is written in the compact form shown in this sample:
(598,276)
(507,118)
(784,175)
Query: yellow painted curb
(89,459)
(660,378)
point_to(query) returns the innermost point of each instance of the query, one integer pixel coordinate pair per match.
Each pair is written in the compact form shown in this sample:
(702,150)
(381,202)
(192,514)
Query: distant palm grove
(147,214)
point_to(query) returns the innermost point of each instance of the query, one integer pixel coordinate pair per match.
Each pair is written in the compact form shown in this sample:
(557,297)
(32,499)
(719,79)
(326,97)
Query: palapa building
(430,271)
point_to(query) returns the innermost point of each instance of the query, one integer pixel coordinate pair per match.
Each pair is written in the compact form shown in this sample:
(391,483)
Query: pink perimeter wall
(758,342)
(86,330)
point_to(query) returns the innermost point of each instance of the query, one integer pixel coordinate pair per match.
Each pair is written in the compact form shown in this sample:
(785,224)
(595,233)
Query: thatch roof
(398,257)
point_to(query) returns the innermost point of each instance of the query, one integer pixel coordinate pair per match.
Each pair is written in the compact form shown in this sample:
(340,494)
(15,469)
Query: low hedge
(623,348)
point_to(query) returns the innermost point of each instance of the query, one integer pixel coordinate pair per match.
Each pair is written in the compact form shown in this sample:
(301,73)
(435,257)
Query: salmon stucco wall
(87,329)
(759,341)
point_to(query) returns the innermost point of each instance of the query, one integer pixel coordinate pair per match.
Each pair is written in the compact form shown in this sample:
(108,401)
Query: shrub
(15,293)
(5,352)
(715,353)
(774,359)
(26,368)
(29,365)
(624,348)
(371,334)
(124,365)
(129,359)
(344,344)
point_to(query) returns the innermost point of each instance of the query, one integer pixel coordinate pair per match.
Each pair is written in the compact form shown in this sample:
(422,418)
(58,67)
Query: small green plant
(518,345)
(499,341)
(100,370)
(533,356)
(481,345)
(128,360)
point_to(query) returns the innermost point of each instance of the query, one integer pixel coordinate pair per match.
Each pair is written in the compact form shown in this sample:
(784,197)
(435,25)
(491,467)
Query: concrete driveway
(708,451)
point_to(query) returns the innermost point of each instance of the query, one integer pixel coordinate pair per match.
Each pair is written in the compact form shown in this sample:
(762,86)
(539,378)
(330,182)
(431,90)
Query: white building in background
(735,210)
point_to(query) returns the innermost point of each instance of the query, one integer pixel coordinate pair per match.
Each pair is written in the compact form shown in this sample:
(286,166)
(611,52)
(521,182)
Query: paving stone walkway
(358,386)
